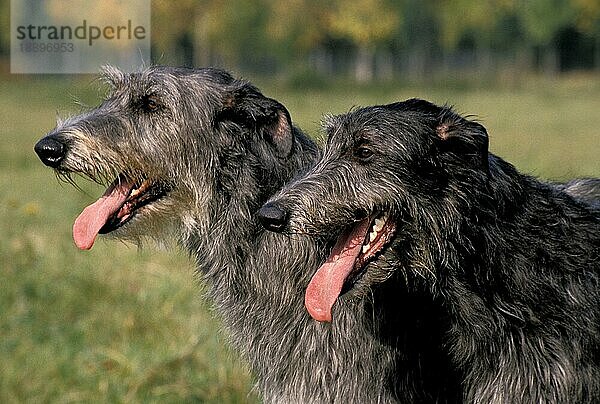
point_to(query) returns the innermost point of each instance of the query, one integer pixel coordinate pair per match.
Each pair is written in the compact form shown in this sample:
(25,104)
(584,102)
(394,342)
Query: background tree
(588,22)
(474,26)
(367,39)
(297,30)
(368,24)
(174,30)
(542,21)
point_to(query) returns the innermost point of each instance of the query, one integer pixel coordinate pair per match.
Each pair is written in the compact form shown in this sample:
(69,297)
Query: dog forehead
(368,122)
(340,131)
(165,80)
(346,125)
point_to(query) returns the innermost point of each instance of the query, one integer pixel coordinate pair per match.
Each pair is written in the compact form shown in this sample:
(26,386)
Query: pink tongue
(326,284)
(90,221)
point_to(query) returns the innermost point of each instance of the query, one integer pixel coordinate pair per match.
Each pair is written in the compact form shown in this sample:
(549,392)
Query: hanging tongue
(326,284)
(90,221)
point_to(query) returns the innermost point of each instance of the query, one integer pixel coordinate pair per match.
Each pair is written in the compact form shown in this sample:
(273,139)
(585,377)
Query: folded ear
(246,106)
(466,140)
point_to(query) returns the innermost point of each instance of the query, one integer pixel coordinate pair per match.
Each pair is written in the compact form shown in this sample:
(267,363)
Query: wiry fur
(584,189)
(490,288)
(224,148)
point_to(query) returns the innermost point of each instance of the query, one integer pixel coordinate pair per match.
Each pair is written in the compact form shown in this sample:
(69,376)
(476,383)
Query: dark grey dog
(487,278)
(584,189)
(191,155)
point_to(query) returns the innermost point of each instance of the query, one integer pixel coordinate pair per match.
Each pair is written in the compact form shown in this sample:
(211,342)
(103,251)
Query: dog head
(384,171)
(171,145)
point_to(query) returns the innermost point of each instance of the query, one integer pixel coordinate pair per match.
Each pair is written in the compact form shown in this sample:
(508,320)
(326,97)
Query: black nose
(272,217)
(50,151)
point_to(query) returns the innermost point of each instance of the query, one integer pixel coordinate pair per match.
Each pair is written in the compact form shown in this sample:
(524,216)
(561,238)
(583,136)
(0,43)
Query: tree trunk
(321,61)
(550,61)
(364,67)
(384,65)
(416,63)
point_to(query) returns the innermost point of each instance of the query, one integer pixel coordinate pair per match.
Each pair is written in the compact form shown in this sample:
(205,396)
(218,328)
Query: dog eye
(363,152)
(150,103)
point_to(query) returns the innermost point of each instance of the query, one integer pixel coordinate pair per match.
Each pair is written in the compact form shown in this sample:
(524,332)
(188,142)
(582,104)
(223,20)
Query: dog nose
(50,151)
(272,217)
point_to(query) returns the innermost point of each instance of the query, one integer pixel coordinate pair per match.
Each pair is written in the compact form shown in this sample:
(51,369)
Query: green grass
(122,324)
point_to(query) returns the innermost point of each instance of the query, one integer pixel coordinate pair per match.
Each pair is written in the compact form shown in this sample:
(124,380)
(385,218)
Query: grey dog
(191,155)
(486,279)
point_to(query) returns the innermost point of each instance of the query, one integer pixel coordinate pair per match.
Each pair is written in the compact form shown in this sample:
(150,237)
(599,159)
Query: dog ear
(463,138)
(247,107)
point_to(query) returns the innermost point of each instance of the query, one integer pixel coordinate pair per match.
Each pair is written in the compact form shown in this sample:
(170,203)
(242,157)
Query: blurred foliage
(372,38)
(365,23)
(542,19)
(333,36)
(588,18)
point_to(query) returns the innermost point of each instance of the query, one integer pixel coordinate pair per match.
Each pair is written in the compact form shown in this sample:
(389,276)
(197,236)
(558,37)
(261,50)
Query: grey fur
(222,149)
(584,189)
(489,277)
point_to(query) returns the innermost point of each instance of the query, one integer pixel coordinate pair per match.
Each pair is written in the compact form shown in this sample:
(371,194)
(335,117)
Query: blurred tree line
(370,39)
(375,39)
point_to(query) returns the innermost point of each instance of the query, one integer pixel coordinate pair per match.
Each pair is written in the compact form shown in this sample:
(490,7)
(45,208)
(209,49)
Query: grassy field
(122,324)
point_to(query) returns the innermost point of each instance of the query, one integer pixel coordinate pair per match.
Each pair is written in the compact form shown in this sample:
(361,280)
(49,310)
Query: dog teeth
(143,187)
(378,225)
